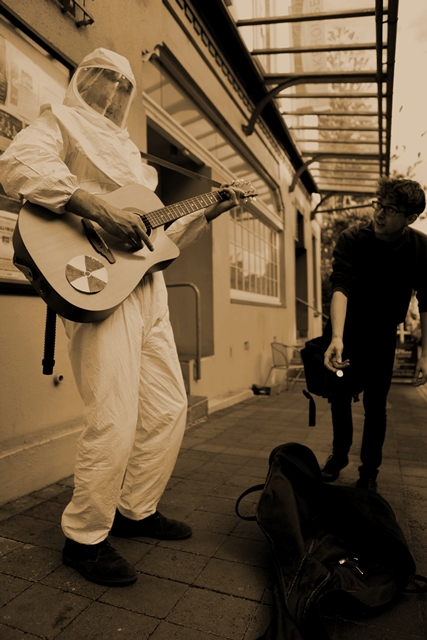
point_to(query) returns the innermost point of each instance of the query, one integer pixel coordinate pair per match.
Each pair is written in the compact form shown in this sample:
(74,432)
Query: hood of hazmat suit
(95,112)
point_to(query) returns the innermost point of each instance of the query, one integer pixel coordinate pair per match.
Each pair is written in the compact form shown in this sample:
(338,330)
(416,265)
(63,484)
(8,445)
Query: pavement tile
(30,562)
(169,631)
(49,492)
(248,529)
(172,564)
(233,492)
(233,578)
(210,477)
(203,543)
(196,454)
(216,522)
(132,549)
(7,545)
(43,611)
(214,613)
(179,504)
(103,622)
(219,466)
(48,510)
(183,467)
(9,633)
(197,487)
(149,595)
(33,531)
(217,505)
(68,579)
(246,551)
(10,587)
(64,497)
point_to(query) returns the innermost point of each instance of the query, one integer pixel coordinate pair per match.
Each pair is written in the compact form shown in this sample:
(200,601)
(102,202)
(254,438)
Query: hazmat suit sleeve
(188,229)
(33,166)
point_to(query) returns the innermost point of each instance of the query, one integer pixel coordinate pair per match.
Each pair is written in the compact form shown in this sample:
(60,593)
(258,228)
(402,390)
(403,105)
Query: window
(254,258)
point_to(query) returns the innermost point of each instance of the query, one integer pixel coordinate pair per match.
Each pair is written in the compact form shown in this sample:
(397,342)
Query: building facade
(251,280)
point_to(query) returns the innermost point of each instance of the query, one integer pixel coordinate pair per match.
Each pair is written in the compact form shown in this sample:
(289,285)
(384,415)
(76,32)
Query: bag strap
(311,409)
(257,487)
(417,589)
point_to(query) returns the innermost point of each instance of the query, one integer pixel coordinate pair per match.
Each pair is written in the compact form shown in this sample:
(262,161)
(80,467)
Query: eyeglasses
(389,210)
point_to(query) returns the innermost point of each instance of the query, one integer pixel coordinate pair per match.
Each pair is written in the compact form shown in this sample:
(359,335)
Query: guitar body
(73,278)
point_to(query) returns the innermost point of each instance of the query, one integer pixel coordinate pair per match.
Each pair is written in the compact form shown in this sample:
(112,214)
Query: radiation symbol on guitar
(86,274)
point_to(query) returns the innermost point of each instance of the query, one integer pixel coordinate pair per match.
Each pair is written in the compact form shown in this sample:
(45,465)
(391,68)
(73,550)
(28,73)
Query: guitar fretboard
(174,211)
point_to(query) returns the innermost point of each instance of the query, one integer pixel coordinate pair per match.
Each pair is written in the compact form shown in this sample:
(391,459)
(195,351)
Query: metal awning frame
(382,77)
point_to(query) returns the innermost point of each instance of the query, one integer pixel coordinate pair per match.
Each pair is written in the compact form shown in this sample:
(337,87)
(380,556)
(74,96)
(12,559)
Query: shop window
(254,258)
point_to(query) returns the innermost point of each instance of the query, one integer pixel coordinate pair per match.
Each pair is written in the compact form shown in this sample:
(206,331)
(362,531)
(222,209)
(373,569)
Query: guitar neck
(175,211)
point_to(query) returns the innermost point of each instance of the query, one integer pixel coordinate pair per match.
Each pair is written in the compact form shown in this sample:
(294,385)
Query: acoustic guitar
(84,273)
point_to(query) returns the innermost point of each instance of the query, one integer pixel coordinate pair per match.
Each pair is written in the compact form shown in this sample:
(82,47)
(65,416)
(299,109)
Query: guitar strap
(48,361)
(175,167)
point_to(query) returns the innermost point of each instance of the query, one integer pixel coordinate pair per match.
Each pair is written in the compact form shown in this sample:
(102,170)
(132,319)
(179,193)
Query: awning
(327,69)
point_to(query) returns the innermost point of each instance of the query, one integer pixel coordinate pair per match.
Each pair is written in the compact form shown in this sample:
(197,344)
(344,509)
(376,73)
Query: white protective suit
(126,367)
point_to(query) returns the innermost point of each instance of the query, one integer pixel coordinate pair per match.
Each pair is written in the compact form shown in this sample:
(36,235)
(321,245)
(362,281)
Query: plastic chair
(282,362)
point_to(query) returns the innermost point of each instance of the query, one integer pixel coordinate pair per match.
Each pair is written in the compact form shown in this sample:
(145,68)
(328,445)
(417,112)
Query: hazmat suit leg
(161,423)
(107,360)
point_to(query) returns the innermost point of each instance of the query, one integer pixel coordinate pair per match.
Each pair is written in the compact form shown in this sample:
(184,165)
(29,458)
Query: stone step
(197,408)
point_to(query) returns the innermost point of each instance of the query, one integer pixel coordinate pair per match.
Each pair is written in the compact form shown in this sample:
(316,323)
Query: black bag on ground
(334,547)
(322,382)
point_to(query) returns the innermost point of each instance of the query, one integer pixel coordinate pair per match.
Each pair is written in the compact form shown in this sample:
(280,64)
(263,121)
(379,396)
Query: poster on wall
(29,77)
(8,272)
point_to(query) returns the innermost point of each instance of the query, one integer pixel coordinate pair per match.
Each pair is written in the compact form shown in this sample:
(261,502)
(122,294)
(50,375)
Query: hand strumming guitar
(121,224)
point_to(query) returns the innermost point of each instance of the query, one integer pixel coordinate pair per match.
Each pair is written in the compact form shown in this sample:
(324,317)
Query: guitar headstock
(249,191)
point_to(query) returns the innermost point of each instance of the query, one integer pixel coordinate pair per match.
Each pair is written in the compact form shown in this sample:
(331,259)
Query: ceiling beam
(307,17)
(316,48)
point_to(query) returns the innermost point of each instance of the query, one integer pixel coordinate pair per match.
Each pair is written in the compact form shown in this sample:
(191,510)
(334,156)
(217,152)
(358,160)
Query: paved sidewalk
(215,585)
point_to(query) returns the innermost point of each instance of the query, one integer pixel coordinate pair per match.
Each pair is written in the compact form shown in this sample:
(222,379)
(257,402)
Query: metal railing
(324,315)
(197,369)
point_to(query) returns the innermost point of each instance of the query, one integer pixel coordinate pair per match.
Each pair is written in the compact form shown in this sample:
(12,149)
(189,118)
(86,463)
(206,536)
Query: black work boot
(154,526)
(99,563)
(367,479)
(333,466)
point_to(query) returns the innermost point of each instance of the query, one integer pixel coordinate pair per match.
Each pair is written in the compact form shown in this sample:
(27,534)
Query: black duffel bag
(337,549)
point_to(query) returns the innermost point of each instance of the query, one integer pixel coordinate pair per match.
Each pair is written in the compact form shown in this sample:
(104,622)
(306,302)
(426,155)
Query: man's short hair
(407,194)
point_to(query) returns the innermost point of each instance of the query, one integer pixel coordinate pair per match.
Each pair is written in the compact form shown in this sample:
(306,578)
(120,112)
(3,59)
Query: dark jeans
(375,364)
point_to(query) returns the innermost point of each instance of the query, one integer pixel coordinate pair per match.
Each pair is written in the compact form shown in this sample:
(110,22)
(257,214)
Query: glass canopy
(328,67)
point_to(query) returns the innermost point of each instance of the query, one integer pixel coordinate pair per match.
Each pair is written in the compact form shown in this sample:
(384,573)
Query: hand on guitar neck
(234,195)
(121,224)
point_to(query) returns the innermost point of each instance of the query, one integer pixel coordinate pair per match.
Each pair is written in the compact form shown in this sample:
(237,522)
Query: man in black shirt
(376,267)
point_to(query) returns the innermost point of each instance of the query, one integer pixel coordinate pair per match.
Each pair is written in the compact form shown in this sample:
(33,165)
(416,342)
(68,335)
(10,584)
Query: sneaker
(154,526)
(333,466)
(99,563)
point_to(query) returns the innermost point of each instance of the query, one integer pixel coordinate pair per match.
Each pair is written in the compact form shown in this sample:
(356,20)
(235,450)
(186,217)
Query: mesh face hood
(103,86)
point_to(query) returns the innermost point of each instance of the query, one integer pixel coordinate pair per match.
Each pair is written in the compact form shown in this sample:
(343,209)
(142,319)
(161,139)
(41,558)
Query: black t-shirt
(378,278)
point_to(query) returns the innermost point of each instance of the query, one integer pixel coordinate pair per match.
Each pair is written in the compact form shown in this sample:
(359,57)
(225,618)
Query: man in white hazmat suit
(126,367)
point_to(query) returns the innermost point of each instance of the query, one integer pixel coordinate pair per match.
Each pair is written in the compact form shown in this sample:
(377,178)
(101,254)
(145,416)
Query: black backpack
(335,547)
(322,382)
